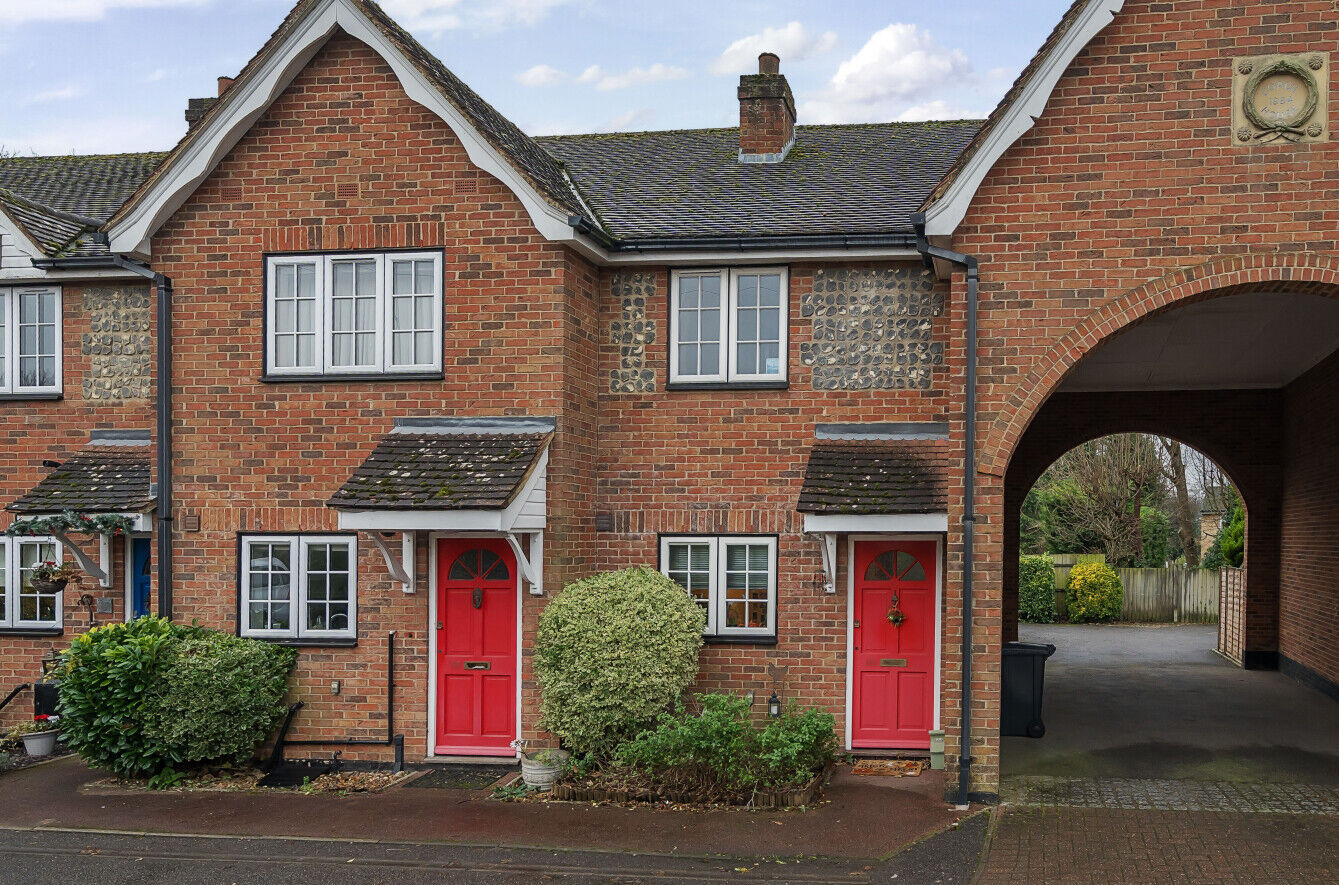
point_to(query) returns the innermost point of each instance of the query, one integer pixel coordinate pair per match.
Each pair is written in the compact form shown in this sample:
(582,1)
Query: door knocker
(895,614)
(478,597)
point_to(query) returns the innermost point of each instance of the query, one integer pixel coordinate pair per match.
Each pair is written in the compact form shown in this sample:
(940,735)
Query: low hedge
(149,696)
(1094,593)
(1036,589)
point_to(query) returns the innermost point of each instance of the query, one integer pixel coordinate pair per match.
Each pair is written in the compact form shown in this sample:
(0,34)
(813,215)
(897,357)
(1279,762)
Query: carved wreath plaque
(1281,98)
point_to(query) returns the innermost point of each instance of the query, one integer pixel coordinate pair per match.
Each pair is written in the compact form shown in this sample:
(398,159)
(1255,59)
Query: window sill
(31,397)
(363,378)
(308,643)
(739,640)
(728,385)
(31,631)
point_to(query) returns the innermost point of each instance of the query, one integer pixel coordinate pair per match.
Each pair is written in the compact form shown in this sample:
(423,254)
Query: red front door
(476,646)
(892,664)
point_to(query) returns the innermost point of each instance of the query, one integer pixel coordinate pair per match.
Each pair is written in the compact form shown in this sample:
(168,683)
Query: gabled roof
(97,479)
(1016,113)
(854,179)
(60,201)
(493,142)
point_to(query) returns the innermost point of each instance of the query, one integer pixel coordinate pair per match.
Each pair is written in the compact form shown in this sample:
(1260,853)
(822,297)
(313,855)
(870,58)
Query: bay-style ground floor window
(298,587)
(23,606)
(732,577)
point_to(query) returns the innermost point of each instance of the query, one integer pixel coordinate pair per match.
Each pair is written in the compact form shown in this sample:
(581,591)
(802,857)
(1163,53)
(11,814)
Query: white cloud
(437,16)
(97,135)
(17,12)
(898,68)
(64,93)
(633,119)
(158,74)
(605,81)
(792,42)
(936,110)
(540,75)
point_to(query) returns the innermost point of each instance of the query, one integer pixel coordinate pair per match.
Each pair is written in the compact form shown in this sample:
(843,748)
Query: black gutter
(583,225)
(969,263)
(163,349)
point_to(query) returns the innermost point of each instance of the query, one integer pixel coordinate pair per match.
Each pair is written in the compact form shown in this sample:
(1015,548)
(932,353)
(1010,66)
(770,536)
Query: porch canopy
(459,475)
(877,478)
(103,489)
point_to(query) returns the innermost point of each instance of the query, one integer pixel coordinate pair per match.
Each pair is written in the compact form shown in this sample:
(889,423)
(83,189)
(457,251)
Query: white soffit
(1252,341)
(875,523)
(943,218)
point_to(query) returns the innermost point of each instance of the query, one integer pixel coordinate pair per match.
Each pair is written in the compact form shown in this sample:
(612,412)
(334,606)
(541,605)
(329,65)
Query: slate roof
(845,179)
(60,201)
(97,479)
(891,476)
(1024,77)
(442,471)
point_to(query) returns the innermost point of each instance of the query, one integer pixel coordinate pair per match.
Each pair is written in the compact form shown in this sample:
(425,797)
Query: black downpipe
(969,263)
(13,694)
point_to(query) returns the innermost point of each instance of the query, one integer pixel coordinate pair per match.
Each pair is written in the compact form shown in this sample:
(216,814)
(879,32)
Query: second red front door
(476,647)
(893,644)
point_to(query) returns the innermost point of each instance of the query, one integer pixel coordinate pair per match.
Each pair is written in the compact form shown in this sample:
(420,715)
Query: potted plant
(51,577)
(39,736)
(540,769)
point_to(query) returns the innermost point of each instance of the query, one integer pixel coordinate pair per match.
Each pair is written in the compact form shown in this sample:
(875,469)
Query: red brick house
(426,369)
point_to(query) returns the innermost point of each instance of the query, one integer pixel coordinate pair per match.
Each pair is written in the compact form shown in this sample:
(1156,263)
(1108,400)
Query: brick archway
(1301,272)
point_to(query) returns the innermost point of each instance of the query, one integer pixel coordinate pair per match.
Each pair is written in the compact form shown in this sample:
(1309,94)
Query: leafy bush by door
(613,652)
(145,697)
(1036,589)
(1094,593)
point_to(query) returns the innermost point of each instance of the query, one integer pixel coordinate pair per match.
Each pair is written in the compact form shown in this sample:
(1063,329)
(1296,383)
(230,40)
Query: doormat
(889,767)
(462,777)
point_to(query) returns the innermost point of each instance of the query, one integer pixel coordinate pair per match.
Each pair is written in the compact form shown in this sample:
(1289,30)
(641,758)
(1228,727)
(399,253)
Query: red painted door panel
(476,646)
(893,665)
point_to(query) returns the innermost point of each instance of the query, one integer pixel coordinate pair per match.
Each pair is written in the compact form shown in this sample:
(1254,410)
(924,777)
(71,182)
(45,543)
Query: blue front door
(140,578)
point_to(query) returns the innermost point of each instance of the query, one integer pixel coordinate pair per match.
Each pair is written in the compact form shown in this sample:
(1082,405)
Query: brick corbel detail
(352,237)
(1306,272)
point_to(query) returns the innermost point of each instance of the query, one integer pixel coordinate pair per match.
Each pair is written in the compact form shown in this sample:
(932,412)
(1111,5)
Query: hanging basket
(44,586)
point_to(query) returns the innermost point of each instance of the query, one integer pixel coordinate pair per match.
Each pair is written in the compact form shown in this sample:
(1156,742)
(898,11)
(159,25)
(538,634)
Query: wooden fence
(1232,629)
(1170,595)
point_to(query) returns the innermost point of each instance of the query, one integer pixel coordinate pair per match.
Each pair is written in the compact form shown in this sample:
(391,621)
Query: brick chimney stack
(766,113)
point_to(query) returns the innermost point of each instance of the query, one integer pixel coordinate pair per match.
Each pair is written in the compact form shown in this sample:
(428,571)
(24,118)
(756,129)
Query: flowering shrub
(1036,589)
(1094,593)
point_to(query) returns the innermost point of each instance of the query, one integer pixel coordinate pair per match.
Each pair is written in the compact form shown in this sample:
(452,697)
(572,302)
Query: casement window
(373,314)
(728,325)
(299,587)
(30,340)
(22,606)
(732,578)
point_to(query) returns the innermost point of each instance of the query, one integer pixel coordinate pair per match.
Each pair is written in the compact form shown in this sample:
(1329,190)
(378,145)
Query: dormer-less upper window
(728,326)
(30,340)
(353,314)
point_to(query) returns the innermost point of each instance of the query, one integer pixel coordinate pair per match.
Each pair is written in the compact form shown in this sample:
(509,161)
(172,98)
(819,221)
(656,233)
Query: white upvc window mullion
(692,563)
(295,316)
(699,317)
(758,324)
(413,312)
(24,607)
(31,340)
(355,311)
(6,342)
(270,577)
(299,587)
(7,583)
(733,577)
(327,601)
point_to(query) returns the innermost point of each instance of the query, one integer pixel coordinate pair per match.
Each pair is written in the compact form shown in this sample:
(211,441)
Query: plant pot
(40,743)
(48,586)
(542,775)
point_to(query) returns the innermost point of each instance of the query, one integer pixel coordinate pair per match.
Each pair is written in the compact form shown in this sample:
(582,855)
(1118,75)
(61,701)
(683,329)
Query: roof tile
(894,476)
(95,480)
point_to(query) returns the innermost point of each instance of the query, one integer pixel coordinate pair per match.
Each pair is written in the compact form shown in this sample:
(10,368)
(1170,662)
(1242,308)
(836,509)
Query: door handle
(478,665)
(478,599)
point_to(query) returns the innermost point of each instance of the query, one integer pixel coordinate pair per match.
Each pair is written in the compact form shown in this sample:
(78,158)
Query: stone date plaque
(1281,98)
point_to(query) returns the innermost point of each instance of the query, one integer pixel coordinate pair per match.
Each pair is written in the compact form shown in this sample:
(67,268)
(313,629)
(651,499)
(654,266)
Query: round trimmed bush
(613,652)
(1094,593)
(1036,589)
(144,697)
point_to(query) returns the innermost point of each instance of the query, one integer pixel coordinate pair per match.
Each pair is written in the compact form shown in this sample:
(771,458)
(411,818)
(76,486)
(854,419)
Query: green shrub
(1094,593)
(1036,589)
(219,697)
(613,652)
(718,753)
(1233,536)
(143,697)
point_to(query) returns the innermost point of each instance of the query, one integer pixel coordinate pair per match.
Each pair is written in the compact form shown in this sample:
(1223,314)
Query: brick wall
(32,431)
(1130,195)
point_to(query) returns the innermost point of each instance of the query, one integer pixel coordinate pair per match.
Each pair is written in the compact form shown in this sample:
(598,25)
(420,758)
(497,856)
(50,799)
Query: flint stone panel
(632,332)
(118,344)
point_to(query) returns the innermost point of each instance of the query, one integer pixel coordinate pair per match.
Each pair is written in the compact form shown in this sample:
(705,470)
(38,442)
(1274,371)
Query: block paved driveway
(1164,763)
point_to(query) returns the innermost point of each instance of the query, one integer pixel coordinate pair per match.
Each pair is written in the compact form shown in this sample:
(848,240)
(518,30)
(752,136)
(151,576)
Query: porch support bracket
(532,566)
(827,545)
(101,570)
(401,569)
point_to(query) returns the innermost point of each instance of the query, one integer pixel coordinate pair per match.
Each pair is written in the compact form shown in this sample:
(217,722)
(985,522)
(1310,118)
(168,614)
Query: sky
(104,76)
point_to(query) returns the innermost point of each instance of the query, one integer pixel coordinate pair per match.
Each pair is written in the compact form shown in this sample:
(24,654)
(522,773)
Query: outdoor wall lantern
(774,706)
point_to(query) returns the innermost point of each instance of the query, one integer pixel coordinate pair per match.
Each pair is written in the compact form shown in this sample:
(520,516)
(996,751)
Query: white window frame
(9,341)
(9,588)
(298,546)
(716,620)
(323,361)
(730,332)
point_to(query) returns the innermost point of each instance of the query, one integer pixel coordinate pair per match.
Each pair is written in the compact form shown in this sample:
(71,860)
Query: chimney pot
(766,113)
(224,83)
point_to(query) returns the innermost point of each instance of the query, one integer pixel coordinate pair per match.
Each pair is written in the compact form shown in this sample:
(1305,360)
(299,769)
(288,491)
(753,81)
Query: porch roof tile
(890,476)
(97,479)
